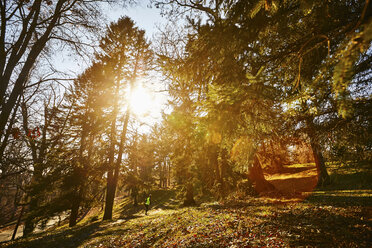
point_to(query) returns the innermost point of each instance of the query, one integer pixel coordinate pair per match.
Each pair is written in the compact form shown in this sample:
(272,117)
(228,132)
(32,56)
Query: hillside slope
(333,217)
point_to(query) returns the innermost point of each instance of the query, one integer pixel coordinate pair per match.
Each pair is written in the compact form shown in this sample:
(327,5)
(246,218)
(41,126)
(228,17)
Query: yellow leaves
(254,78)
(313,110)
(214,137)
(269,5)
(242,147)
(257,8)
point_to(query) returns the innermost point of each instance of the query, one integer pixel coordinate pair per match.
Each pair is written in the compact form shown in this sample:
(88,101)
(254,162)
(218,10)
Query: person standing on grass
(147,203)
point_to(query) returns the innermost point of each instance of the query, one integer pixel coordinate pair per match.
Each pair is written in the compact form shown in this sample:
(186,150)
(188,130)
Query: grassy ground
(336,216)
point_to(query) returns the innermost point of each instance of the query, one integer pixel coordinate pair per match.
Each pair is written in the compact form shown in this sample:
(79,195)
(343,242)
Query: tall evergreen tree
(126,57)
(87,98)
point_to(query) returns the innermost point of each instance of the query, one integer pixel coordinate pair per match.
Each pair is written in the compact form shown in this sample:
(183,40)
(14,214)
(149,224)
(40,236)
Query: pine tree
(126,57)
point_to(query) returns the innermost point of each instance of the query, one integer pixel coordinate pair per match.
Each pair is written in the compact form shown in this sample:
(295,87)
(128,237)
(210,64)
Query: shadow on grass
(319,227)
(165,199)
(347,188)
(337,199)
(72,237)
(353,181)
(161,199)
(68,238)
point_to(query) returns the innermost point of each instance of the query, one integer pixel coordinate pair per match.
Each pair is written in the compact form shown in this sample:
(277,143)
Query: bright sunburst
(142,102)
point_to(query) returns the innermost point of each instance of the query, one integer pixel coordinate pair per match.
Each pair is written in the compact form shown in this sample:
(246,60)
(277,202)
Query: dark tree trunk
(4,141)
(255,174)
(189,197)
(30,219)
(77,194)
(213,163)
(222,167)
(135,195)
(15,203)
(161,175)
(18,222)
(165,175)
(323,177)
(34,202)
(110,196)
(74,210)
(276,161)
(169,175)
(113,175)
(110,186)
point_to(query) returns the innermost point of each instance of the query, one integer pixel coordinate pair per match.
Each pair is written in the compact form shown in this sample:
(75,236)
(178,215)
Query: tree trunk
(113,175)
(30,222)
(323,177)
(4,141)
(276,161)
(110,188)
(169,175)
(74,210)
(213,163)
(165,175)
(135,195)
(161,175)
(222,169)
(110,196)
(34,202)
(255,174)
(15,203)
(77,194)
(18,222)
(189,197)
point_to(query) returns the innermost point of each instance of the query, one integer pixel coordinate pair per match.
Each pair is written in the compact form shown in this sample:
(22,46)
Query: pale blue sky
(144,17)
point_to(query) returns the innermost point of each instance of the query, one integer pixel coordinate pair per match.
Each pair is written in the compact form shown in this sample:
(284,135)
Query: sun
(142,102)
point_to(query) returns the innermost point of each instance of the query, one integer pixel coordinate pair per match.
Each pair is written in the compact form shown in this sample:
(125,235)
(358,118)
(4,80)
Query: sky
(146,18)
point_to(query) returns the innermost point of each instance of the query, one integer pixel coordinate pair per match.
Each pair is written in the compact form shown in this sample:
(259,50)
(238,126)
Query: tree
(28,31)
(224,86)
(49,156)
(126,56)
(285,50)
(311,52)
(162,140)
(88,122)
(181,124)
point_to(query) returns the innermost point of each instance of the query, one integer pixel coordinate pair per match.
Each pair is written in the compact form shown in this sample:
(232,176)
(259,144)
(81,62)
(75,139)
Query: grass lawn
(336,216)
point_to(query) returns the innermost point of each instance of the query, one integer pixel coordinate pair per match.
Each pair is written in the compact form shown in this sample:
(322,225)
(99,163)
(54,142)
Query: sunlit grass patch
(361,193)
(305,165)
